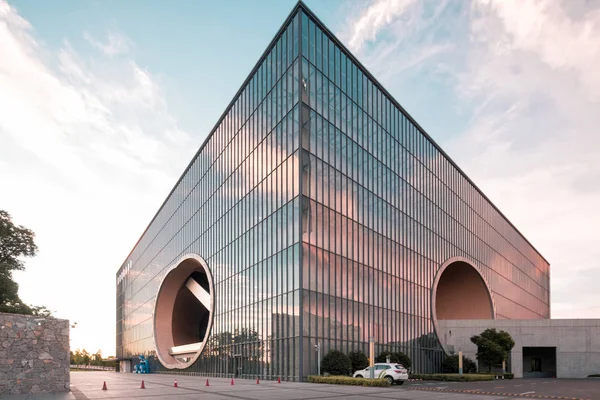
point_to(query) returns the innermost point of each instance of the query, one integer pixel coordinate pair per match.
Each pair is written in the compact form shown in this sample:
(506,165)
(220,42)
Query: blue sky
(105,102)
(186,47)
(200,51)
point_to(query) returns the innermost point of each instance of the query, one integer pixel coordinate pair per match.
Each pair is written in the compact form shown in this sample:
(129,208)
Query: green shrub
(508,375)
(450,365)
(396,357)
(358,359)
(336,363)
(346,380)
(453,377)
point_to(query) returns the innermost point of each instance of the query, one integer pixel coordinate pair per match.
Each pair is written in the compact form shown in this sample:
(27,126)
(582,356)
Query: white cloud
(536,68)
(398,37)
(115,44)
(373,19)
(89,150)
(527,71)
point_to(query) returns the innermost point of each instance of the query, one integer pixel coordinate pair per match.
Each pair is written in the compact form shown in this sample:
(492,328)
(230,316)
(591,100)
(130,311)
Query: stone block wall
(34,354)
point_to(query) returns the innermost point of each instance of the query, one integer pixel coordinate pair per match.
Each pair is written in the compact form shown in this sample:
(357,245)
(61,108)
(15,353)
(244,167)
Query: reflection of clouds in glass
(265,156)
(327,313)
(408,216)
(257,287)
(236,205)
(236,158)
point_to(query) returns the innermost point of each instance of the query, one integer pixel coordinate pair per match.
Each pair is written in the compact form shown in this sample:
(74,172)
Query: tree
(358,359)
(336,363)
(450,365)
(16,242)
(85,357)
(40,311)
(76,358)
(493,346)
(248,341)
(219,344)
(9,297)
(97,358)
(395,357)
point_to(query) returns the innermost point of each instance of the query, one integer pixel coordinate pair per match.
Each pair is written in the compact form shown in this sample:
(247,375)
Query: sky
(103,104)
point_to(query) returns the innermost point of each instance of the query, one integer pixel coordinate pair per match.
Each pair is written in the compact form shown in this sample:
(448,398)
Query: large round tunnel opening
(183,312)
(461,293)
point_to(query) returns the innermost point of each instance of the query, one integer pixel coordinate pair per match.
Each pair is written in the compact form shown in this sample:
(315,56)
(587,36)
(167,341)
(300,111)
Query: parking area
(532,388)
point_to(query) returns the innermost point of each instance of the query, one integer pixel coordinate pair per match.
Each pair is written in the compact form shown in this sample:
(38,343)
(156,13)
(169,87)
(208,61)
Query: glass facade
(324,213)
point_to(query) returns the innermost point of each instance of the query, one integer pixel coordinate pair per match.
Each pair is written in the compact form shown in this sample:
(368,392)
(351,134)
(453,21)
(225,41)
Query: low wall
(34,354)
(577,341)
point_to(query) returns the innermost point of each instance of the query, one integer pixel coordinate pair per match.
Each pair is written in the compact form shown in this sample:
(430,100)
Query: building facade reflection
(325,214)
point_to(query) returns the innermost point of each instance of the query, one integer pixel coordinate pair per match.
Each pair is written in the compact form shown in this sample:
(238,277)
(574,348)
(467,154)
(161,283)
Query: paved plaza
(88,385)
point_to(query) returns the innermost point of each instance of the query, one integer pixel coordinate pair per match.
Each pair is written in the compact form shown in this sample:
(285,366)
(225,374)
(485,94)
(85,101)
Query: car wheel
(400,382)
(358,376)
(389,378)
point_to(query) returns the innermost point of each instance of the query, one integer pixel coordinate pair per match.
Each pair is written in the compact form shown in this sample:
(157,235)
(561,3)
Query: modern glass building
(317,211)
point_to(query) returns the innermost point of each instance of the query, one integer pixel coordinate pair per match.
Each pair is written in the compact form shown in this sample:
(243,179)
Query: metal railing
(92,367)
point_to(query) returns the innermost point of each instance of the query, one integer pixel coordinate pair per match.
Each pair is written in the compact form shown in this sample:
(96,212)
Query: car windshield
(398,366)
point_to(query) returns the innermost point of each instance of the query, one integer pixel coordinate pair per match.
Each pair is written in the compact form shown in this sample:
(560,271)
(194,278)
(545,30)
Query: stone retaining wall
(34,354)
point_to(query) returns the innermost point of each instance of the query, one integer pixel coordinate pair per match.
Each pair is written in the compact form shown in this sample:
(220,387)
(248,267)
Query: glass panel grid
(325,215)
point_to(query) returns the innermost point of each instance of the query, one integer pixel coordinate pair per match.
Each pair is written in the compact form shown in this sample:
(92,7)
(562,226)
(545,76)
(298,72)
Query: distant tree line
(82,357)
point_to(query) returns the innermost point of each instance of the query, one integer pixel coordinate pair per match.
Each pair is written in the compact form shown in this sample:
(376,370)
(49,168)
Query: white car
(395,373)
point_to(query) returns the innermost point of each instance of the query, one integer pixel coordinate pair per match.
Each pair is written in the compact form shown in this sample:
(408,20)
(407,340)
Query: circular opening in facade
(183,312)
(460,292)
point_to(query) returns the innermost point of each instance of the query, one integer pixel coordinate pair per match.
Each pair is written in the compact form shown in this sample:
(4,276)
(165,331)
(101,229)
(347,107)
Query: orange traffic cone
(257,382)
(104,386)
(175,384)
(278,379)
(207,383)
(232,382)
(143,386)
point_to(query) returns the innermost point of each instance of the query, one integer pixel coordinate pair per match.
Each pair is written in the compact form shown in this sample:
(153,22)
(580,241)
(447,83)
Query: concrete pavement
(88,385)
(126,386)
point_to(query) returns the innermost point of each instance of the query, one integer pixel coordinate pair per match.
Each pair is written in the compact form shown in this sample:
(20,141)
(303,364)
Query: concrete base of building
(560,348)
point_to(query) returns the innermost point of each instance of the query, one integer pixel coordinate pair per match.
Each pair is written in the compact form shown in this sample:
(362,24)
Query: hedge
(346,380)
(450,365)
(508,375)
(453,377)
